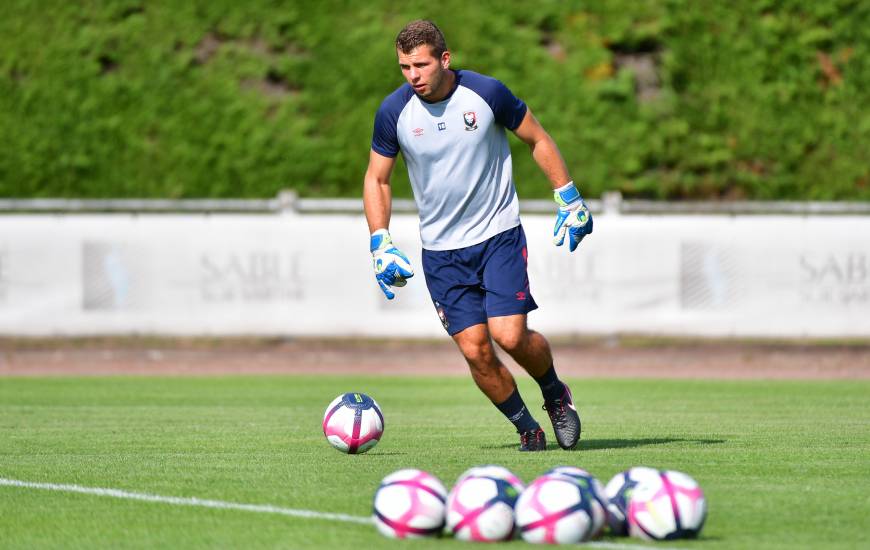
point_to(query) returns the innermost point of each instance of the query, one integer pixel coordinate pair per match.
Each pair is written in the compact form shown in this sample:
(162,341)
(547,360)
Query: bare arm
(377,194)
(544,150)
(573,217)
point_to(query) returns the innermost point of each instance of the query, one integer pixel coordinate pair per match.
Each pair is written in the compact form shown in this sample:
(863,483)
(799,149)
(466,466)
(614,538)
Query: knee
(511,340)
(479,357)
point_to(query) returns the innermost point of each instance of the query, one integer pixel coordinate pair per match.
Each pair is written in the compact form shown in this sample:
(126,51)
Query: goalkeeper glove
(392,267)
(573,217)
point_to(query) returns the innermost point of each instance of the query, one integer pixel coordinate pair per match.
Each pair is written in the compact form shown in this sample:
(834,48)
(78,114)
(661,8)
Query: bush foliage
(760,99)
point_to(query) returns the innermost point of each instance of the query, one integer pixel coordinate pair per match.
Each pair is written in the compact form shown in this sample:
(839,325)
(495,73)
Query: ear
(445,60)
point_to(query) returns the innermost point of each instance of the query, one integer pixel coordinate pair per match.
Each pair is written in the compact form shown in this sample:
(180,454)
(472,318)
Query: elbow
(376,182)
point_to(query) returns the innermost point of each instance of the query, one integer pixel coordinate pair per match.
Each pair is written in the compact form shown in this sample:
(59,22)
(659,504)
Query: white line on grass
(181,501)
(222,505)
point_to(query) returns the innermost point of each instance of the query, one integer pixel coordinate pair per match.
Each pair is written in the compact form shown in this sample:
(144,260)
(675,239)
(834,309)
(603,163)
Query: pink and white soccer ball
(410,503)
(481,508)
(494,471)
(353,423)
(555,510)
(669,506)
(593,491)
(618,492)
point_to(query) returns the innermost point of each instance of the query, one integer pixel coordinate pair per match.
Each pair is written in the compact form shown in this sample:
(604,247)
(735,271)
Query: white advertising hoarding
(291,274)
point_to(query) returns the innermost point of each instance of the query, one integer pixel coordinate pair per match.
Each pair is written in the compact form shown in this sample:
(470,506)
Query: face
(428,75)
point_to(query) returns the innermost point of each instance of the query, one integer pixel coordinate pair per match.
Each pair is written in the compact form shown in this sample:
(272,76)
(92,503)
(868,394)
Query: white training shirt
(458,158)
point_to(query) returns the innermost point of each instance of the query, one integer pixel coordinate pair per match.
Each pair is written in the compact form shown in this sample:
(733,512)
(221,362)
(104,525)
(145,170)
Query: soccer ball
(496,472)
(410,504)
(481,508)
(594,491)
(669,506)
(618,492)
(353,423)
(555,509)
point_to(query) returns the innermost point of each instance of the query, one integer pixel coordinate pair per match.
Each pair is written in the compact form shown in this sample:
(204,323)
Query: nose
(414,73)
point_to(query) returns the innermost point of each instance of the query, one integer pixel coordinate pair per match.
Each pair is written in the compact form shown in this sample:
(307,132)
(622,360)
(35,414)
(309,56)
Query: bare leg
(528,348)
(532,351)
(487,370)
(498,384)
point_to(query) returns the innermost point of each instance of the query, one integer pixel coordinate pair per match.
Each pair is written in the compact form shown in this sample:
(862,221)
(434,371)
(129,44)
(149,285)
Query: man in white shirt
(450,128)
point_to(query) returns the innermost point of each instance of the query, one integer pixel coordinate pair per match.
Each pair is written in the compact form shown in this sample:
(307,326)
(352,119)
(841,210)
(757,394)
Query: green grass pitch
(783,464)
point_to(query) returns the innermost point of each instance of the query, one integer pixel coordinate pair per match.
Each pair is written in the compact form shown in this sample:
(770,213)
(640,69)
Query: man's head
(421,33)
(424,60)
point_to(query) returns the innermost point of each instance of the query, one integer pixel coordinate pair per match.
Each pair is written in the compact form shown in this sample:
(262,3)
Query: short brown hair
(419,33)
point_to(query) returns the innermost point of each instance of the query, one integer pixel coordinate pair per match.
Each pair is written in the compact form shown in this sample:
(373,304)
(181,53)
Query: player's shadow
(599,444)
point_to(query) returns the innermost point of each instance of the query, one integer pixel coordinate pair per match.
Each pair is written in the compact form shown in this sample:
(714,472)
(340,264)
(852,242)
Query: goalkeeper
(450,127)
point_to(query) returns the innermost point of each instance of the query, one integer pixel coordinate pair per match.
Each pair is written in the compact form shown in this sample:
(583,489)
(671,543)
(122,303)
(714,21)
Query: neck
(445,88)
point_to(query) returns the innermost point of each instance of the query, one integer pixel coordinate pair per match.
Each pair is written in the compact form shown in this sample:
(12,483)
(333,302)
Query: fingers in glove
(387,292)
(403,272)
(559,236)
(560,228)
(577,235)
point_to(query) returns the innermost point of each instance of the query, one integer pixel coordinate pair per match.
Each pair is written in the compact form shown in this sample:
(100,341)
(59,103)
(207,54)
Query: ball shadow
(386,453)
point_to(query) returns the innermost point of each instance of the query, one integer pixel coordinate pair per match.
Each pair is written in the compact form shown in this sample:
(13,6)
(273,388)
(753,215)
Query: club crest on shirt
(470,119)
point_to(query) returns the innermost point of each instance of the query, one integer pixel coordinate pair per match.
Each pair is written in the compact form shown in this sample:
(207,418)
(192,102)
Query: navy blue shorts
(469,285)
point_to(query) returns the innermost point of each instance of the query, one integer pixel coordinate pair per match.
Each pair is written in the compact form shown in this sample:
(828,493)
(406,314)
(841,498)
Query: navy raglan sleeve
(509,109)
(385,141)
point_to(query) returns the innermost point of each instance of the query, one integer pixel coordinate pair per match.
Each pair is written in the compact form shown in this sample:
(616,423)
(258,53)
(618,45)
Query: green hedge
(753,99)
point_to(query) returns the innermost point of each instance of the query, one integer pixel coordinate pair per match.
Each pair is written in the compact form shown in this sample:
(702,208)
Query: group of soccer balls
(565,505)
(489,503)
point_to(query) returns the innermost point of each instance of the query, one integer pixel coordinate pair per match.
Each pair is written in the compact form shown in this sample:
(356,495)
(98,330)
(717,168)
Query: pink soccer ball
(410,503)
(554,509)
(593,491)
(618,492)
(668,506)
(481,508)
(494,471)
(353,423)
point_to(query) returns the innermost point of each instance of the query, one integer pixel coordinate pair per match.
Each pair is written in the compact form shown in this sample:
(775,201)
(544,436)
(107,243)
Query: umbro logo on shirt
(417,132)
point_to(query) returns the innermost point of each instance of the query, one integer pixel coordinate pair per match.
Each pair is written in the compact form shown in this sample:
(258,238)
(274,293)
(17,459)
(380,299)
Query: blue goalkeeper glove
(573,217)
(392,267)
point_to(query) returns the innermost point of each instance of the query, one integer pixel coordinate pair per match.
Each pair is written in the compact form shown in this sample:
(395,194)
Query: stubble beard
(434,86)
